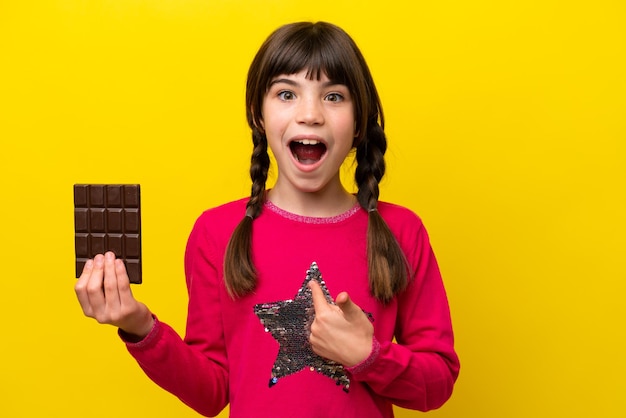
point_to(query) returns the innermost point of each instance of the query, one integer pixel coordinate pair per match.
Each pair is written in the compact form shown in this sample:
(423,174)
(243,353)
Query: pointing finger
(319,299)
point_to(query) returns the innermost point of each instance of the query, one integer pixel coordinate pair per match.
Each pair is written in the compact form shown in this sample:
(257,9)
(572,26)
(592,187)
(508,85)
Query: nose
(310,112)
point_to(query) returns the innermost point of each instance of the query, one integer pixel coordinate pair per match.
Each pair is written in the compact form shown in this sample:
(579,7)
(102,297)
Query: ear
(357,138)
(261,128)
(357,134)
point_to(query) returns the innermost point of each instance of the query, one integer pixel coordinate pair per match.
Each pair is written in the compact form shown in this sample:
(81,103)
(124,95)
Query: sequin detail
(311,219)
(289,322)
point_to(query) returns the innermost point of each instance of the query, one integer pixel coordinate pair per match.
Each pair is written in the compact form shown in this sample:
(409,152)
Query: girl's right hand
(104,293)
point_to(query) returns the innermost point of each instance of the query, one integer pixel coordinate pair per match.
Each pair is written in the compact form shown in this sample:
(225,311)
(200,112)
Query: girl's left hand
(342,332)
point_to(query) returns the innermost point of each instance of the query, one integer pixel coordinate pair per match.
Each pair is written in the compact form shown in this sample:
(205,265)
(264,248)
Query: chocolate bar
(107,217)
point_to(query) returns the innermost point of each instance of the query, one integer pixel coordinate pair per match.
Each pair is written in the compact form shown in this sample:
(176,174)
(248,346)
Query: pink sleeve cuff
(362,366)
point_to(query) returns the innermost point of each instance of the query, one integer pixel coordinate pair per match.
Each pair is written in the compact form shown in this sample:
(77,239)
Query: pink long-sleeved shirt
(227,356)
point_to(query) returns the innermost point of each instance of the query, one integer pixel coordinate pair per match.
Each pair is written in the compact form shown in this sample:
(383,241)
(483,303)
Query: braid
(239,272)
(370,157)
(259,167)
(387,266)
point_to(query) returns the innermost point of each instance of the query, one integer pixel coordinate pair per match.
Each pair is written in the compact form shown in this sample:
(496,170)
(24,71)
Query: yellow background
(507,132)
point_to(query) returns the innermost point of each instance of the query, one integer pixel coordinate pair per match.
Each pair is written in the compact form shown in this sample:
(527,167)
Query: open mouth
(307,151)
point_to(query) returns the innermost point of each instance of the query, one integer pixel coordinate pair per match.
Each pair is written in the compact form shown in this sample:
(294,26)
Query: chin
(310,187)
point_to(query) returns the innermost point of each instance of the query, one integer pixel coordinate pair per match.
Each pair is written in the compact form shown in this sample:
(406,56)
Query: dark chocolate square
(107,217)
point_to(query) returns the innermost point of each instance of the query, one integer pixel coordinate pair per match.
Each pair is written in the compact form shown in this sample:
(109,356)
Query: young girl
(264,333)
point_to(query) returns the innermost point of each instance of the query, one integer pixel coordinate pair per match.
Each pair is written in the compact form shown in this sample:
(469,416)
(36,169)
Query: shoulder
(406,225)
(398,216)
(235,209)
(222,219)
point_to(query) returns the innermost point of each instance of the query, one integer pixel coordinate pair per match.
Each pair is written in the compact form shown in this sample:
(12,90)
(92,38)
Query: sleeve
(419,369)
(194,369)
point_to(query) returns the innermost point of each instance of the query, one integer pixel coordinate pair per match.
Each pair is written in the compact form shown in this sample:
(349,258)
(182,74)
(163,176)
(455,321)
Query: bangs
(319,54)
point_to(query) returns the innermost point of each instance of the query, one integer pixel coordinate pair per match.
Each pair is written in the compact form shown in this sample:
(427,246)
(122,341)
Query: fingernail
(99,260)
(89,264)
(109,255)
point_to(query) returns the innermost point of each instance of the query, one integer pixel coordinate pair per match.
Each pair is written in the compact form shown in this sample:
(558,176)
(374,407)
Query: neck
(322,203)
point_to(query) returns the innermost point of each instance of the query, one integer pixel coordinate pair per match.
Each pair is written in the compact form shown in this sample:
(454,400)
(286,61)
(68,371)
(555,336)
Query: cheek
(347,128)
(273,120)
(273,129)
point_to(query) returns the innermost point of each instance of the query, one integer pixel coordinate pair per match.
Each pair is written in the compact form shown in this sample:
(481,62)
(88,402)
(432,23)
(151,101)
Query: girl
(264,334)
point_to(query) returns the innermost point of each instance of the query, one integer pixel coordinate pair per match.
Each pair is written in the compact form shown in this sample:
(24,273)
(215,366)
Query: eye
(334,97)
(286,95)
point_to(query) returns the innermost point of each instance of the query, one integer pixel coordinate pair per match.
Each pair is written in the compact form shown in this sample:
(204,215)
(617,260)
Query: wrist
(138,329)
(134,342)
(360,353)
(368,361)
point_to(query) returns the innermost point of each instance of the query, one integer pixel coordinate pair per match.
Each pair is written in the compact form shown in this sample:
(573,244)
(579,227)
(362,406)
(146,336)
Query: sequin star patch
(289,322)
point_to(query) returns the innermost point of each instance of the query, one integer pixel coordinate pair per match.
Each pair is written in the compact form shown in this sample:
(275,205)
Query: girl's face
(310,129)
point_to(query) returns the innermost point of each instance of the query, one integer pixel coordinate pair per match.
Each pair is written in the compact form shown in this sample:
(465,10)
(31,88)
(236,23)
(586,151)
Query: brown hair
(320,48)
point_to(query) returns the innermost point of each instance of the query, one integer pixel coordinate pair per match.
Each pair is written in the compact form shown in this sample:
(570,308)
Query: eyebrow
(294,83)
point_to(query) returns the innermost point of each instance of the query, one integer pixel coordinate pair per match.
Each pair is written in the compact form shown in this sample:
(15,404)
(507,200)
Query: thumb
(350,309)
